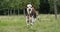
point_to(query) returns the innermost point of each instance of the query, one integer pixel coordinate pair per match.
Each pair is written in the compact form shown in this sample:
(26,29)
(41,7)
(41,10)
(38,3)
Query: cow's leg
(27,21)
(32,20)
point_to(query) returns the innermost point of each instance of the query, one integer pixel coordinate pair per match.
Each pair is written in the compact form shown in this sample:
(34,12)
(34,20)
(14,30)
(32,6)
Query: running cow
(30,15)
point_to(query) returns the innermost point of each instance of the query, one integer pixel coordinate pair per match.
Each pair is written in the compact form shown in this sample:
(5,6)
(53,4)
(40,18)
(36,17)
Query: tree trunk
(8,12)
(24,12)
(14,11)
(4,12)
(11,12)
(18,12)
(55,9)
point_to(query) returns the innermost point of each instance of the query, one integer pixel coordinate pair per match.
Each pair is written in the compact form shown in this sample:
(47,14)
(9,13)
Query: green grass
(46,23)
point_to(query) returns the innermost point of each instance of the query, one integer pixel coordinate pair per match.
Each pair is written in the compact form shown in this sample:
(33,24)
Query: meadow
(14,23)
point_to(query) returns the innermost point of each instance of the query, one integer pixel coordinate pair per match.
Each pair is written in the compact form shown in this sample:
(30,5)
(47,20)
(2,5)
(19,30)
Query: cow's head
(29,5)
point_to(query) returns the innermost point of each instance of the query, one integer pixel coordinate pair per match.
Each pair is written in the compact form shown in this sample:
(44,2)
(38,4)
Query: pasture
(46,23)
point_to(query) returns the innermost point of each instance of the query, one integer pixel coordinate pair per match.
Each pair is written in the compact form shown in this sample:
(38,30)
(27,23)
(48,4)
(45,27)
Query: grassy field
(46,23)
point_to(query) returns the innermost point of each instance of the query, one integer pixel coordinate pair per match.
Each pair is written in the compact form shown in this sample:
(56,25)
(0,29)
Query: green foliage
(51,2)
(22,4)
(18,3)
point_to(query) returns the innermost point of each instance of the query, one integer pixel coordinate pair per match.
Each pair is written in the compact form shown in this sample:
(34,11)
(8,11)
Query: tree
(55,8)
(18,4)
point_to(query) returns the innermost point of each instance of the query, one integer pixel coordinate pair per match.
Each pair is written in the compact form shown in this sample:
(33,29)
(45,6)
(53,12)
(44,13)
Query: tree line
(17,6)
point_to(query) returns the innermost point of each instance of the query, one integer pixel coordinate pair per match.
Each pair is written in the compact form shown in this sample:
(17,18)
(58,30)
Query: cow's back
(33,13)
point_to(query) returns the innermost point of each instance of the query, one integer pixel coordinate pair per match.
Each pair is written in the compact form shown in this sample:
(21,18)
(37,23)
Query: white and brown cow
(30,15)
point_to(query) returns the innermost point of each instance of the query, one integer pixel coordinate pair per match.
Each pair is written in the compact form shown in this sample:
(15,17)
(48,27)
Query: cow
(30,15)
